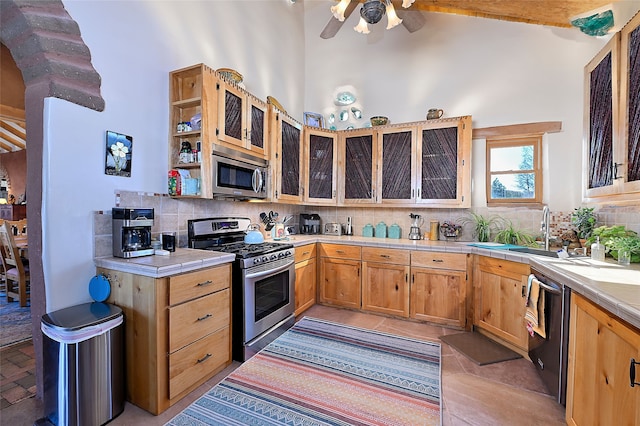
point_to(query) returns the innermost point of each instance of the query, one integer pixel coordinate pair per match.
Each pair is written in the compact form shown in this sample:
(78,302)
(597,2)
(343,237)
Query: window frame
(508,142)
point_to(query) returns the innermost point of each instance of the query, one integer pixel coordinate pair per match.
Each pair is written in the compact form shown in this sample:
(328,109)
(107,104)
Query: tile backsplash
(171,214)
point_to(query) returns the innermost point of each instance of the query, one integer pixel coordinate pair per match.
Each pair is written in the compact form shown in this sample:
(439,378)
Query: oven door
(238,179)
(268,297)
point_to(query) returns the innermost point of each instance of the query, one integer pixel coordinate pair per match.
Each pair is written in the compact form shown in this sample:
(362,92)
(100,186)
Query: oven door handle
(549,288)
(270,271)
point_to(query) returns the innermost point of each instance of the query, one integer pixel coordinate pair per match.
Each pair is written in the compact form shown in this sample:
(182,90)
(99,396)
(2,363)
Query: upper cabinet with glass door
(320,154)
(630,107)
(444,162)
(396,176)
(611,147)
(357,167)
(286,134)
(242,119)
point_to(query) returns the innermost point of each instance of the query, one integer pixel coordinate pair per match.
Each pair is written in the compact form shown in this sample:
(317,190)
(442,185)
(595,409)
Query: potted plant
(510,235)
(630,243)
(482,226)
(584,219)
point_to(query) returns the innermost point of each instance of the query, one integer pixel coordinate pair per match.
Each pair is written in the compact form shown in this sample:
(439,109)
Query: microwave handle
(257,181)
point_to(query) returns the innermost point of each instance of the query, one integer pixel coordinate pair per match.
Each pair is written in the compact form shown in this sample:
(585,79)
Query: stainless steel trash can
(83,351)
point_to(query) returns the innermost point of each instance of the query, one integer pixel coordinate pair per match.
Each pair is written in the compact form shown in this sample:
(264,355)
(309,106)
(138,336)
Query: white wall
(134,45)
(498,72)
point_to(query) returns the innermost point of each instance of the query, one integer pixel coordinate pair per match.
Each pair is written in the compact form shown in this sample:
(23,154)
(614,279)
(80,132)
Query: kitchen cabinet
(321,166)
(444,162)
(500,300)
(425,163)
(602,350)
(396,177)
(612,119)
(439,287)
(13,211)
(306,278)
(177,332)
(357,179)
(385,281)
(287,141)
(242,119)
(193,91)
(340,275)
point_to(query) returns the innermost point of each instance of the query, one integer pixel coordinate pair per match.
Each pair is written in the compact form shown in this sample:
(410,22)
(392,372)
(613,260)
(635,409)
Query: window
(514,170)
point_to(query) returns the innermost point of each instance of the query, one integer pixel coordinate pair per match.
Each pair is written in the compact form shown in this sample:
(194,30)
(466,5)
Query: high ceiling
(541,12)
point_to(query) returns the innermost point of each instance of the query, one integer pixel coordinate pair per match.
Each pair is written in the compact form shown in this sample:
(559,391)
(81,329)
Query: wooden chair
(16,274)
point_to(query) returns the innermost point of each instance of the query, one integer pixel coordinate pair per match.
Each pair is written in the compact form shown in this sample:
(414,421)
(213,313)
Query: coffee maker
(309,223)
(132,232)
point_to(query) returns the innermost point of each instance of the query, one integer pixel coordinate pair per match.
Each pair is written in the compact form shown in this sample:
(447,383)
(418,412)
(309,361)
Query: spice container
(367,230)
(381,230)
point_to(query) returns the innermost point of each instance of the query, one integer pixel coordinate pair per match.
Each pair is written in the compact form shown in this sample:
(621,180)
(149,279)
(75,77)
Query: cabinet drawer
(191,285)
(198,361)
(503,267)
(305,252)
(437,260)
(340,250)
(384,255)
(192,321)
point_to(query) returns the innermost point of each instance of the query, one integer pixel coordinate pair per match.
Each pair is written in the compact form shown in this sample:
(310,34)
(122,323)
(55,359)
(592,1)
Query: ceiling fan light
(392,18)
(338,9)
(362,26)
(407,3)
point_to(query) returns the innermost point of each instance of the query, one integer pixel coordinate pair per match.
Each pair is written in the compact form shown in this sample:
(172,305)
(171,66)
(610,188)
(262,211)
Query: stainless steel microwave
(238,175)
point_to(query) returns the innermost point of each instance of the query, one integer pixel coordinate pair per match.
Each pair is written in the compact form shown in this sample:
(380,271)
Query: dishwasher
(549,355)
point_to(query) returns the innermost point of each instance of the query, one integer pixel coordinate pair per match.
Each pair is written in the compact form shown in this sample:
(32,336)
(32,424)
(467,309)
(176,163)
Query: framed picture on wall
(313,119)
(118,154)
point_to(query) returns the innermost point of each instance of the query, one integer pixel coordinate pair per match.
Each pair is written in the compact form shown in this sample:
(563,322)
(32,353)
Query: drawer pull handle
(306,253)
(386,256)
(204,358)
(207,282)
(205,317)
(438,260)
(632,372)
(340,251)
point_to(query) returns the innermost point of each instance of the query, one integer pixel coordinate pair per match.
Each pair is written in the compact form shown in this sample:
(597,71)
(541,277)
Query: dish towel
(534,314)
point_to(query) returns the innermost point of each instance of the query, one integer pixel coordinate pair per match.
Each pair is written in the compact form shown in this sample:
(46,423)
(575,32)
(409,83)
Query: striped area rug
(322,373)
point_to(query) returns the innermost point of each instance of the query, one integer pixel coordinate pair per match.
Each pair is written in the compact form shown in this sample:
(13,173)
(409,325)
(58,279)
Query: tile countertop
(611,286)
(156,266)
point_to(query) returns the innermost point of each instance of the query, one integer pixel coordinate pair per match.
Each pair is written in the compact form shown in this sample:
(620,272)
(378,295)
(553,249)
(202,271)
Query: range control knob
(264,259)
(273,257)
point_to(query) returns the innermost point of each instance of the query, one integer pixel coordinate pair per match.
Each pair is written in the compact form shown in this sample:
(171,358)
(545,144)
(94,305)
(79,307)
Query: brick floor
(17,373)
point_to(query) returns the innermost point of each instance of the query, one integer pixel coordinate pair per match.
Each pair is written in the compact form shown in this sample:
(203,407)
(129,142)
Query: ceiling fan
(371,12)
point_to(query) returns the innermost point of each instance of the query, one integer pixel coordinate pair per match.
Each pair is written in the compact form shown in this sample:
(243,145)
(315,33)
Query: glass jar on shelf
(186,153)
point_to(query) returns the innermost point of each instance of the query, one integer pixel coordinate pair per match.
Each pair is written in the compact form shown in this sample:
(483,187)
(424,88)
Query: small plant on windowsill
(510,235)
(482,226)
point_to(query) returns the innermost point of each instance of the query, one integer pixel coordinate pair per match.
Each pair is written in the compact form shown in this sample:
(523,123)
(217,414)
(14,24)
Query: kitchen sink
(539,252)
(542,252)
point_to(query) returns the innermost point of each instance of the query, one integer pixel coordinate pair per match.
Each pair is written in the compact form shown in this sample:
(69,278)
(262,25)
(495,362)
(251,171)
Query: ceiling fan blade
(333,26)
(413,20)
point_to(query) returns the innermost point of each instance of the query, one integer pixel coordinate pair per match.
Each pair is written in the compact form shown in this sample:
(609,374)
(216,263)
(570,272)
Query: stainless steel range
(262,284)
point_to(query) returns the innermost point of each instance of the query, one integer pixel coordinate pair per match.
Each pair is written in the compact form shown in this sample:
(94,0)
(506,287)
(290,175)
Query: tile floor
(17,373)
(506,393)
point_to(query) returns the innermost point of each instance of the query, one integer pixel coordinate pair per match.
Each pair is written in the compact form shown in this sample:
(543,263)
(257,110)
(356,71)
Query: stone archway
(46,44)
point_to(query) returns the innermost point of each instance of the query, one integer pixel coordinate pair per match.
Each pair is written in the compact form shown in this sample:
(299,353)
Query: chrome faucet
(545,226)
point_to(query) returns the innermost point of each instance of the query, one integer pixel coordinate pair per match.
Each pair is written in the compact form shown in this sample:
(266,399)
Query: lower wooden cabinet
(340,275)
(601,353)
(306,278)
(439,288)
(385,281)
(177,332)
(500,292)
